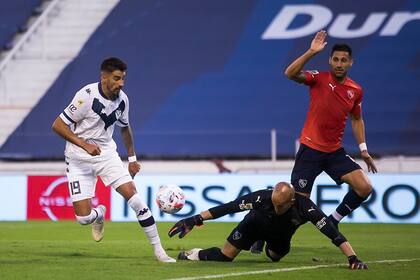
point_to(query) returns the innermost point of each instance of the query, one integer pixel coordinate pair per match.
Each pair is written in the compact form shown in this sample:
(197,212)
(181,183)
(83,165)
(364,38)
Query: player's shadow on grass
(84,255)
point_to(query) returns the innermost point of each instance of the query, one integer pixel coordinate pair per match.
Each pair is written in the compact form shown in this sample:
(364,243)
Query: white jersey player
(88,124)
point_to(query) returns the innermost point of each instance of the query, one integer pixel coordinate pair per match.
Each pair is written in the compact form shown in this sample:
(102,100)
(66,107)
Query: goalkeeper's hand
(355,263)
(184,226)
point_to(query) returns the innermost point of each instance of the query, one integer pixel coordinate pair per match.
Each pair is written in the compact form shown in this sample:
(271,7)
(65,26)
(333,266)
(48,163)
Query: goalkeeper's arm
(242,203)
(320,220)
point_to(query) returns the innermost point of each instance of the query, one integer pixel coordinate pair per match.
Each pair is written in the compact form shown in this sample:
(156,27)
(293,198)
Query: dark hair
(113,63)
(341,48)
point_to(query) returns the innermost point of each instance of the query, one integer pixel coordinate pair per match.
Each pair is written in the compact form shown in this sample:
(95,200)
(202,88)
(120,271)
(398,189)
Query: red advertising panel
(49,199)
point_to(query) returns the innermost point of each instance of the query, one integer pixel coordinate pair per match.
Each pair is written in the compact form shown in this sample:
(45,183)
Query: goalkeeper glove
(184,226)
(355,263)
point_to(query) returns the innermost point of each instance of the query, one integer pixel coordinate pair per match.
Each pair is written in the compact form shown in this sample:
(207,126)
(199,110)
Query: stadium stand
(54,37)
(14,15)
(203,82)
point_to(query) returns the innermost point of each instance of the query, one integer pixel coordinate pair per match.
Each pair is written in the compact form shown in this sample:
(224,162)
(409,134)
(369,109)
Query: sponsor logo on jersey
(321,223)
(332,86)
(72,108)
(245,206)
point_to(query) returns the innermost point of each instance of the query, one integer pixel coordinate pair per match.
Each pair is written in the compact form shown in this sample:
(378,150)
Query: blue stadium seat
(13,15)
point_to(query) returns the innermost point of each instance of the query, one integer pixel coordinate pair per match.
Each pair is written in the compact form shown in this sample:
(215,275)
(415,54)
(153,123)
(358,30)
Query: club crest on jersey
(303,183)
(350,93)
(118,113)
(236,235)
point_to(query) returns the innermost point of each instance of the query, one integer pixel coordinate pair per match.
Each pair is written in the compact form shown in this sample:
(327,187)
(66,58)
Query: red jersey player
(333,97)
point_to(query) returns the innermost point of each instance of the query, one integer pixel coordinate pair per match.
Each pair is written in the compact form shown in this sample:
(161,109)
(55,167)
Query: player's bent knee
(366,190)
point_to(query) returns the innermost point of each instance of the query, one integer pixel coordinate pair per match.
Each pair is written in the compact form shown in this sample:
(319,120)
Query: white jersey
(92,117)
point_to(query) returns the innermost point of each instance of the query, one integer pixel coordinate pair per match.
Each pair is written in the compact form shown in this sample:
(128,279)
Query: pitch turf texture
(65,250)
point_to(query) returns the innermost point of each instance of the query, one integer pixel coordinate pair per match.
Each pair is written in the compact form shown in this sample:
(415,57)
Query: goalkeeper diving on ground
(274,217)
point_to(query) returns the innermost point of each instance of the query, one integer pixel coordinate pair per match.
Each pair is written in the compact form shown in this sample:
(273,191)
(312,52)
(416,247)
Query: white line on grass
(282,270)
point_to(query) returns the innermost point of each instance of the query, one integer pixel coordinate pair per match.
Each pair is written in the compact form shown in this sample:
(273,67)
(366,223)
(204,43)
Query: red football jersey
(330,104)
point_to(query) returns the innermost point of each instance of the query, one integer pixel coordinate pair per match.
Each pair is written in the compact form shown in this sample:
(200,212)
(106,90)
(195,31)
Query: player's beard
(115,93)
(340,73)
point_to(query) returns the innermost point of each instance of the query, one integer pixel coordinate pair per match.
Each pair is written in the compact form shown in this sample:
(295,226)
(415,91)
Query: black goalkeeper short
(255,227)
(309,163)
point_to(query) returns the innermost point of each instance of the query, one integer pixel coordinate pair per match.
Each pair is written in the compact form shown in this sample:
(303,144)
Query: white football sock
(96,214)
(337,216)
(146,220)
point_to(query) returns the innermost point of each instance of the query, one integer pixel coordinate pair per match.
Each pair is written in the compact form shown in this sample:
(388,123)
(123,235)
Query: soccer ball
(170,198)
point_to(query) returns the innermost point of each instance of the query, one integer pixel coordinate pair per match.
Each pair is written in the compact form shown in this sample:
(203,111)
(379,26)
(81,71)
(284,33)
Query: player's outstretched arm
(318,218)
(62,129)
(294,70)
(242,203)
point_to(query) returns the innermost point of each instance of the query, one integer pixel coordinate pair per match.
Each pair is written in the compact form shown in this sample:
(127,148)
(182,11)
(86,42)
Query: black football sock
(213,254)
(351,201)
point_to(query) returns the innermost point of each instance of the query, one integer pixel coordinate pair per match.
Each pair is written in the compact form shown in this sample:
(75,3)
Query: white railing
(40,23)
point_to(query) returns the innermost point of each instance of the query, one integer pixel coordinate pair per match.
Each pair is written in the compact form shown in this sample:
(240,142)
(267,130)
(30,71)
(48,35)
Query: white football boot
(191,255)
(98,226)
(161,254)
(165,258)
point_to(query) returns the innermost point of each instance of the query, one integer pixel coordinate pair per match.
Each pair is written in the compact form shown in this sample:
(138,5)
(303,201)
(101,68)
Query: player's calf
(351,202)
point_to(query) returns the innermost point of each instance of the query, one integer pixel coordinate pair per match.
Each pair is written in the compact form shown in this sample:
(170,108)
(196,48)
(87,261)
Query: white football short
(82,175)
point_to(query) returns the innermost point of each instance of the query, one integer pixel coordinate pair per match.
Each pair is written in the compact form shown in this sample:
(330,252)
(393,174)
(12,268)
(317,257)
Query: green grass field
(65,250)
